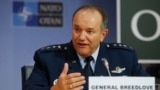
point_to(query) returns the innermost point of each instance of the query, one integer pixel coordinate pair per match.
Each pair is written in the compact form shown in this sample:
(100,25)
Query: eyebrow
(80,27)
(76,25)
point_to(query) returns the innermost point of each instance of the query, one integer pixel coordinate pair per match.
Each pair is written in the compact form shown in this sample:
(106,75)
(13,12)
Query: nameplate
(121,83)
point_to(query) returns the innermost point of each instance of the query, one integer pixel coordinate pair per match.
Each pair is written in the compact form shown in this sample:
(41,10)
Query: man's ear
(104,34)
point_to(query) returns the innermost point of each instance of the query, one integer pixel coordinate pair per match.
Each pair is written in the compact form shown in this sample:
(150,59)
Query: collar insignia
(74,61)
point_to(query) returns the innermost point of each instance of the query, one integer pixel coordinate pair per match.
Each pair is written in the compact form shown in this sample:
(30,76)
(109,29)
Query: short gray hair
(101,11)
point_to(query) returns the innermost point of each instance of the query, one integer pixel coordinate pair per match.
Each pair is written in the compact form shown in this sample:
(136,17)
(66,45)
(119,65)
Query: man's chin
(83,53)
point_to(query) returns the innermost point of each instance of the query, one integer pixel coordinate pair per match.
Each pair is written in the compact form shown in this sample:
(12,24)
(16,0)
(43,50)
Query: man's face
(86,32)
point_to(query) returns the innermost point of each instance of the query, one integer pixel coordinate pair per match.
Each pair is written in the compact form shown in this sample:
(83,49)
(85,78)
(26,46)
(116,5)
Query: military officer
(61,66)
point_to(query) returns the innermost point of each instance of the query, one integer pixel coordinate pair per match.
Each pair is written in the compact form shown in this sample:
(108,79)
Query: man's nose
(82,36)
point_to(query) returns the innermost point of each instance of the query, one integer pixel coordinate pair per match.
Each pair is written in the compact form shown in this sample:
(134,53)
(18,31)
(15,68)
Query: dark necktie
(87,69)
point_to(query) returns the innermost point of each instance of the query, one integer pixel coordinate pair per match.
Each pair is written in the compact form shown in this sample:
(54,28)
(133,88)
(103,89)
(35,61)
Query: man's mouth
(82,44)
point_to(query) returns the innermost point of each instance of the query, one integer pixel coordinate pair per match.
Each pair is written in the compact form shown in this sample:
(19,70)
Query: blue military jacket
(49,62)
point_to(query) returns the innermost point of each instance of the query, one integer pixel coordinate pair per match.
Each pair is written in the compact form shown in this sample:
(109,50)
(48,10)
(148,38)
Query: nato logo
(37,14)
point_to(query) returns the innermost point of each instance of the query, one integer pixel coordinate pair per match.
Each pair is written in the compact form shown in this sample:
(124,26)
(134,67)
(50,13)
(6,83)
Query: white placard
(121,83)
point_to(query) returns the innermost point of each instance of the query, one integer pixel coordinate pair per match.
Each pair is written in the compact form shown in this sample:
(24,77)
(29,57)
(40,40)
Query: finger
(65,70)
(76,79)
(73,75)
(80,87)
(78,83)
(60,85)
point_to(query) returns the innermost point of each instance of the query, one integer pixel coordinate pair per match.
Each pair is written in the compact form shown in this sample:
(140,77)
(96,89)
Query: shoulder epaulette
(54,48)
(118,45)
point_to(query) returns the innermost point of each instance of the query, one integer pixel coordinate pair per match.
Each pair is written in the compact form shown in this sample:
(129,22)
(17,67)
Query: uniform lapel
(100,69)
(72,60)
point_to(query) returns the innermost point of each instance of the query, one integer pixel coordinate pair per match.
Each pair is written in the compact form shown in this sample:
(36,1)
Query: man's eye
(77,29)
(90,31)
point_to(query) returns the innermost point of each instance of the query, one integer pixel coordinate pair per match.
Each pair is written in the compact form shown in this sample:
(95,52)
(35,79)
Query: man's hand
(72,81)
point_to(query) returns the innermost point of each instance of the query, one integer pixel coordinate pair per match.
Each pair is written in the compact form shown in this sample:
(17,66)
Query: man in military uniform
(63,66)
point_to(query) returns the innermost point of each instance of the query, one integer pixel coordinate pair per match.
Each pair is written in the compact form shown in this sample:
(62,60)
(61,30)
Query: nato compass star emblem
(25,13)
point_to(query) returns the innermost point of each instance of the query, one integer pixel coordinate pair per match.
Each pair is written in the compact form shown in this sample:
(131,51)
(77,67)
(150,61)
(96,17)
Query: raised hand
(72,81)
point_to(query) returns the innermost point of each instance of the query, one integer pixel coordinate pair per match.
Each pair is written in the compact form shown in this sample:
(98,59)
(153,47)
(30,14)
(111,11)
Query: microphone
(106,65)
